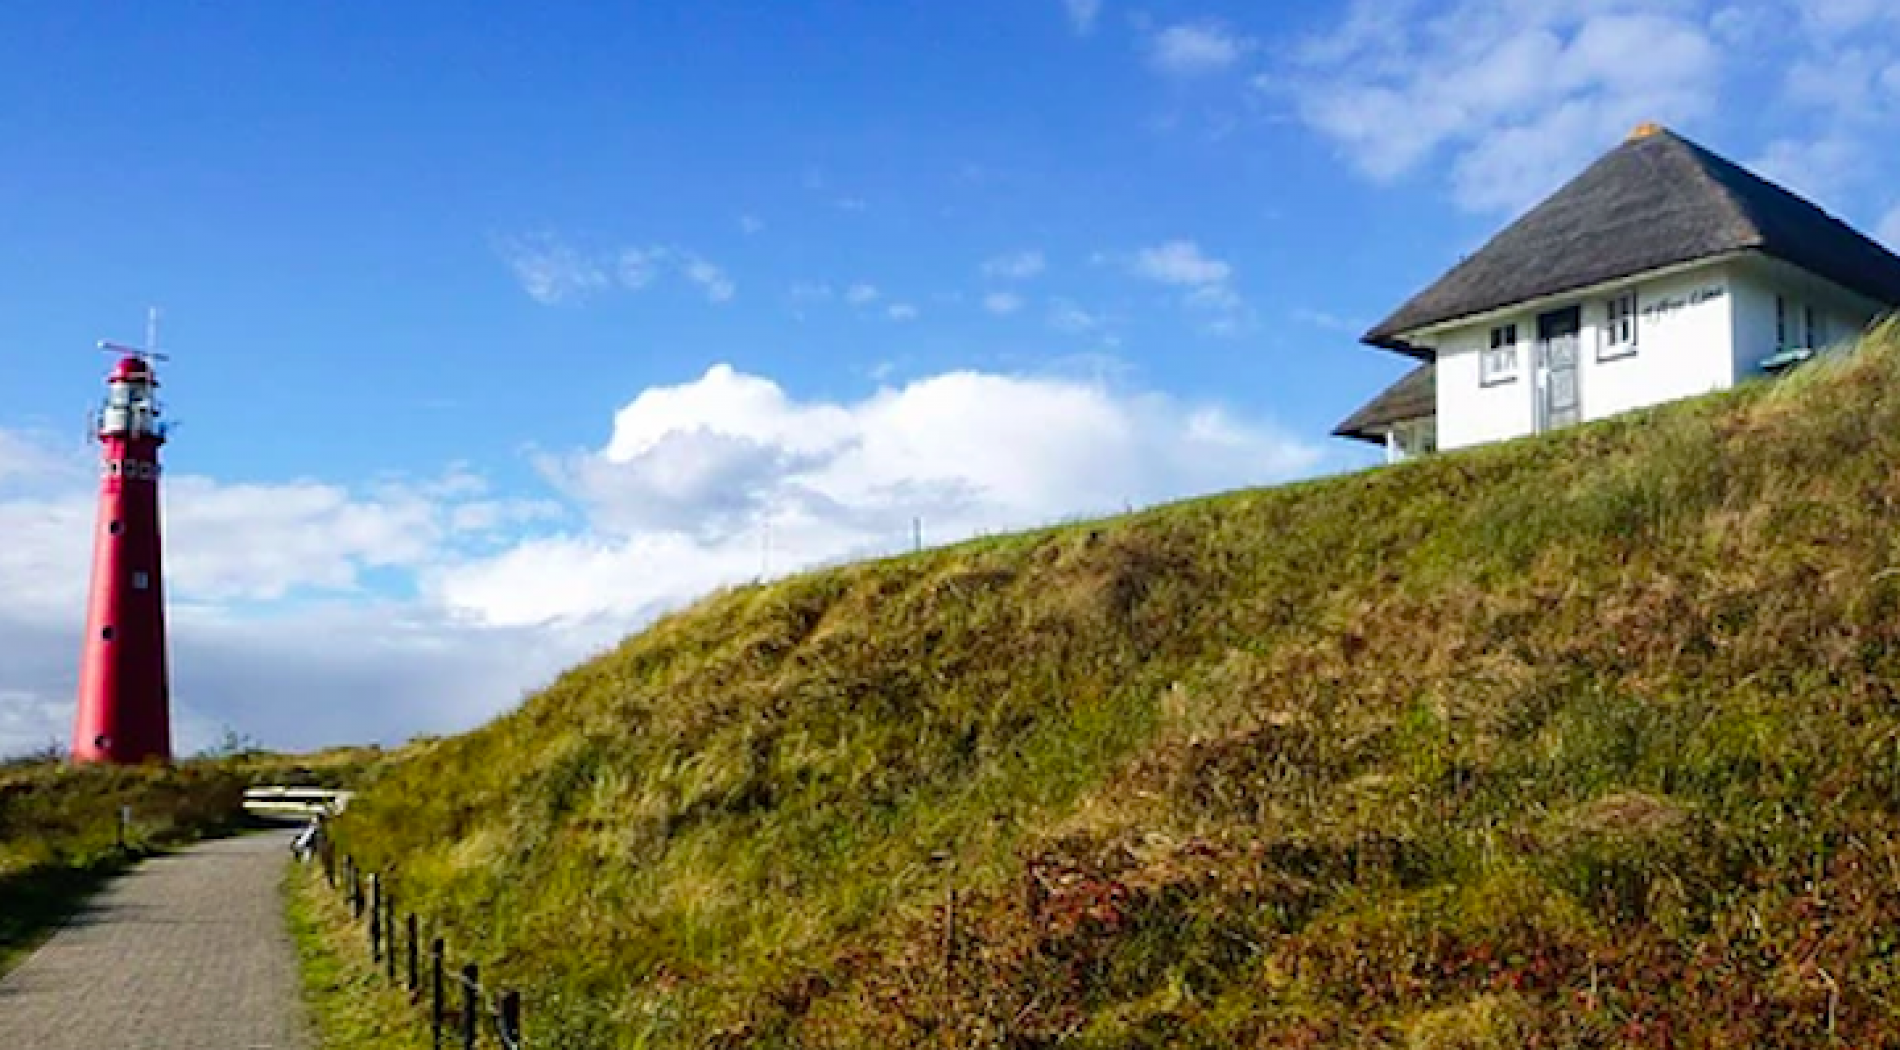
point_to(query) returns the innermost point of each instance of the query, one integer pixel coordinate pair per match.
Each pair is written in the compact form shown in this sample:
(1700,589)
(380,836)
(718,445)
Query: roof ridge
(1705,159)
(1658,200)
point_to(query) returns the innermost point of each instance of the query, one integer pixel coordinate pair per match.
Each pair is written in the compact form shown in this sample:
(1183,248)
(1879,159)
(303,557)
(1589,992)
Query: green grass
(33,902)
(1585,740)
(60,834)
(353,1007)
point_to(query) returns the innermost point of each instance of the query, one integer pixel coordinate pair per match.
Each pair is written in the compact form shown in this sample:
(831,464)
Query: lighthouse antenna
(111,347)
(148,352)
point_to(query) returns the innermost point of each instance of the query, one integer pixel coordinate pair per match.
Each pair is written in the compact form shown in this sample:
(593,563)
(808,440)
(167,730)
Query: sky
(500,329)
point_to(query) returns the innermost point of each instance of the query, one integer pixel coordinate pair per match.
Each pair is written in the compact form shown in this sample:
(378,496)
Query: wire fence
(461,1011)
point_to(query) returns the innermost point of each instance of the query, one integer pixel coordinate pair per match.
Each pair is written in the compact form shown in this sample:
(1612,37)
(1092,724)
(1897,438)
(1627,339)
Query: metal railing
(397,950)
(278,801)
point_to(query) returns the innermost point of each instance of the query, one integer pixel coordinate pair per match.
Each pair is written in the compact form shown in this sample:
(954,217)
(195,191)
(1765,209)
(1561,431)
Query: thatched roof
(1656,200)
(1413,397)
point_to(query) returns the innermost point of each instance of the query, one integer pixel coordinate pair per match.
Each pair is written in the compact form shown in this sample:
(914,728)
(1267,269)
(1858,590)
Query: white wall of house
(1840,316)
(1684,327)
(1698,329)
(1470,411)
(1683,347)
(1410,439)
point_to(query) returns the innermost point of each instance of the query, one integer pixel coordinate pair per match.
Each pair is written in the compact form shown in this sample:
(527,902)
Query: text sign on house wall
(1668,306)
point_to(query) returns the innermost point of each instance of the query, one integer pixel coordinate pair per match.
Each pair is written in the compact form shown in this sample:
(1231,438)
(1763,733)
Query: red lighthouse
(124,699)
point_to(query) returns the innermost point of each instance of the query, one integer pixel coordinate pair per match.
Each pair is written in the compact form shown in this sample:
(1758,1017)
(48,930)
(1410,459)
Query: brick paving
(186,952)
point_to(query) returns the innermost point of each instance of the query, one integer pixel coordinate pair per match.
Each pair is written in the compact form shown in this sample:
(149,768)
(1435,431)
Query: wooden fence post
(438,1007)
(950,957)
(471,1005)
(389,938)
(375,918)
(414,982)
(511,1019)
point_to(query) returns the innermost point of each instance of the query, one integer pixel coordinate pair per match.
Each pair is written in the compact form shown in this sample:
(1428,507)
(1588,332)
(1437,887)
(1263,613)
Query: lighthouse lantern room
(124,711)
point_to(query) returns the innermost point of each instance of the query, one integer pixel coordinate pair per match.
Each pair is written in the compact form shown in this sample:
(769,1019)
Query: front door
(1558,337)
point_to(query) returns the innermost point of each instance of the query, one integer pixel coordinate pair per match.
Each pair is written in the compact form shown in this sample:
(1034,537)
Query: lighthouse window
(105,633)
(116,527)
(141,579)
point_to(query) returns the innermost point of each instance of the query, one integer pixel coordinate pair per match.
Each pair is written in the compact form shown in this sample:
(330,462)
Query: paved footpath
(186,952)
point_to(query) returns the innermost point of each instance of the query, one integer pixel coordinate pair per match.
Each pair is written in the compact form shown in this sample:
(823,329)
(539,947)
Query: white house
(1661,272)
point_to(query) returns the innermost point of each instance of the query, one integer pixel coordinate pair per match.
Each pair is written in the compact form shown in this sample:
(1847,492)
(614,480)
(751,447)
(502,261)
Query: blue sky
(498,330)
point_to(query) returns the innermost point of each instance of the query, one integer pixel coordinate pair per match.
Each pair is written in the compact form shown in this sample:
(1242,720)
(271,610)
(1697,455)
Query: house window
(1619,327)
(1781,323)
(1811,327)
(1499,363)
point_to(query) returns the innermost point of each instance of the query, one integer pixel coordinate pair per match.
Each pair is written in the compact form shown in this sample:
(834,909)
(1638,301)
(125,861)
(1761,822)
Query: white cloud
(25,457)
(1509,97)
(1329,321)
(1834,19)
(1189,49)
(1820,168)
(1845,90)
(550,270)
(1067,316)
(1082,14)
(1520,95)
(638,266)
(724,477)
(1002,304)
(861,294)
(1206,284)
(269,597)
(310,612)
(901,312)
(1181,263)
(1220,298)
(30,722)
(710,278)
(1020,266)
(249,541)
(1888,230)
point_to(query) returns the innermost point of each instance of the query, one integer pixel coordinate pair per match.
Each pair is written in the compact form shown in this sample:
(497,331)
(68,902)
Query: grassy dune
(1582,741)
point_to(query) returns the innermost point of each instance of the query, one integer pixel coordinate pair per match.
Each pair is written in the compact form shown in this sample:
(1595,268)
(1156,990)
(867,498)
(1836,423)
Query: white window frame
(1620,328)
(1781,324)
(1497,365)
